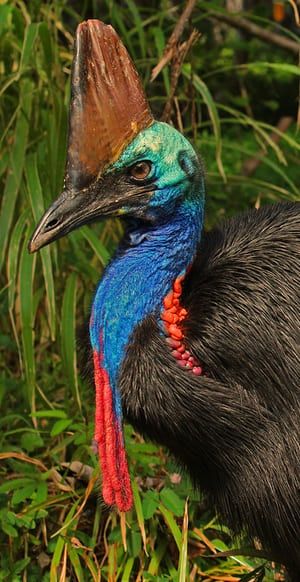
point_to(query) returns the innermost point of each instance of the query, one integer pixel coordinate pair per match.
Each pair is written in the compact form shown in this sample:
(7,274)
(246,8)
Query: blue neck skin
(137,280)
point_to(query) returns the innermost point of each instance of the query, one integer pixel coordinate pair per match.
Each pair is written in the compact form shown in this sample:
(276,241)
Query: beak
(71,210)
(108,109)
(65,214)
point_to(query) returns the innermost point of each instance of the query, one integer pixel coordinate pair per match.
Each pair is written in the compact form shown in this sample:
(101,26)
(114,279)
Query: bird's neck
(140,276)
(134,285)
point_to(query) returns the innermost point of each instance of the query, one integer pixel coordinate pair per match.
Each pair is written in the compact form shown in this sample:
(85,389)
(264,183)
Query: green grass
(53,526)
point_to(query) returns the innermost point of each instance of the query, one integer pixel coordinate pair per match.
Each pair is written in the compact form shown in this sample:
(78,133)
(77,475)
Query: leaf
(183,558)
(13,484)
(139,25)
(204,91)
(49,414)
(37,206)
(13,255)
(68,335)
(139,513)
(157,555)
(241,118)
(160,43)
(112,561)
(172,525)
(9,529)
(5,18)
(57,142)
(31,34)
(172,501)
(13,273)
(17,156)
(24,493)
(27,315)
(126,575)
(41,497)
(150,503)
(46,41)
(262,67)
(31,440)
(74,559)
(20,565)
(59,547)
(134,541)
(59,426)
(96,245)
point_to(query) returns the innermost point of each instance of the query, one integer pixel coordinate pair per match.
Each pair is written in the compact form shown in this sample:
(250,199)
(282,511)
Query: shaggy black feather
(237,431)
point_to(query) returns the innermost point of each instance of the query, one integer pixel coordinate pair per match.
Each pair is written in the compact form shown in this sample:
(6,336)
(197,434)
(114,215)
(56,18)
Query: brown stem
(176,68)
(262,33)
(170,49)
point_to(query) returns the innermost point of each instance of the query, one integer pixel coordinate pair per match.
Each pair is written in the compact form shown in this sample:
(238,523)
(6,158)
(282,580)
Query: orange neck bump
(172,316)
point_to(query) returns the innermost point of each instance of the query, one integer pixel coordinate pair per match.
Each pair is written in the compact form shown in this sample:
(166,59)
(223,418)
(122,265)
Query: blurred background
(226,73)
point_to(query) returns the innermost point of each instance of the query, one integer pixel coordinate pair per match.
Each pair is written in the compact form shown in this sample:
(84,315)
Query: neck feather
(139,277)
(133,286)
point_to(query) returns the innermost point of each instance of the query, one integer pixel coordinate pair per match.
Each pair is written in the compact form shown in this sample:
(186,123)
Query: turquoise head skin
(176,169)
(156,249)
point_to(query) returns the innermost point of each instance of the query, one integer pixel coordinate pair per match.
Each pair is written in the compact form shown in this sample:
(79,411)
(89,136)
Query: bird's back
(243,300)
(236,428)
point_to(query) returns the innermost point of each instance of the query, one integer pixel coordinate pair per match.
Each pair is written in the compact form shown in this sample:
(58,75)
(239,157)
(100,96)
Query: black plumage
(237,429)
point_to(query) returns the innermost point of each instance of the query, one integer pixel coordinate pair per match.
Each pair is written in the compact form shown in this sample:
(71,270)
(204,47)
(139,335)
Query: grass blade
(31,34)
(68,335)
(139,25)
(205,93)
(27,316)
(60,544)
(183,559)
(12,272)
(172,525)
(95,244)
(157,556)
(139,513)
(16,164)
(127,570)
(37,206)
(74,559)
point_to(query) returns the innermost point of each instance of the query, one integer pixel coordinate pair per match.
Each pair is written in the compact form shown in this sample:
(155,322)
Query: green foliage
(231,93)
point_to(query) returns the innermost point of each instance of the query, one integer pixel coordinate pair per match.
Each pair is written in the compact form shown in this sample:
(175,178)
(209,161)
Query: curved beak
(71,210)
(113,196)
(65,214)
(108,109)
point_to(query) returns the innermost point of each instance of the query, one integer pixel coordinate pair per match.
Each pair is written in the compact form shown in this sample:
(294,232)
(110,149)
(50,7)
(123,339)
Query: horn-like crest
(108,105)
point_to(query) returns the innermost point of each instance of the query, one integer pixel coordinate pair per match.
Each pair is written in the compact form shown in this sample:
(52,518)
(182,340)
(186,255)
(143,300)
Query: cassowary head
(120,160)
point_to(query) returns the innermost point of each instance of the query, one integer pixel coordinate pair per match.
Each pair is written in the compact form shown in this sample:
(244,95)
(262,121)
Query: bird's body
(195,337)
(236,430)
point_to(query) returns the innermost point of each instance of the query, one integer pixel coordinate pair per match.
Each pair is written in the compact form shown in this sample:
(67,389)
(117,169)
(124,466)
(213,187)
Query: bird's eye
(140,170)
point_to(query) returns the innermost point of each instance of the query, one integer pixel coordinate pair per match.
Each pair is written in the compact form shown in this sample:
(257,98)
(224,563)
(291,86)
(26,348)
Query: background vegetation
(233,96)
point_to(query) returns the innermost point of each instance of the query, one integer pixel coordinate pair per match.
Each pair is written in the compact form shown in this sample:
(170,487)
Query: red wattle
(172,316)
(116,486)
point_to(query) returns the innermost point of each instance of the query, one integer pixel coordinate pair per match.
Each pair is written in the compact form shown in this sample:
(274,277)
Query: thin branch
(261,33)
(170,49)
(176,68)
(296,11)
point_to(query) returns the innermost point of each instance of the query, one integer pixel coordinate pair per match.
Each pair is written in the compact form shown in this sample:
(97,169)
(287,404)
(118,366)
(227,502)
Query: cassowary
(195,337)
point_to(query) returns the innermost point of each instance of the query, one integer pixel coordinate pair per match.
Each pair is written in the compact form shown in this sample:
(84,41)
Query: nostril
(51,224)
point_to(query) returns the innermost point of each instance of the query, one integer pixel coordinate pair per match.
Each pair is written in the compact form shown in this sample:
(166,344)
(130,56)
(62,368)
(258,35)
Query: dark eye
(140,170)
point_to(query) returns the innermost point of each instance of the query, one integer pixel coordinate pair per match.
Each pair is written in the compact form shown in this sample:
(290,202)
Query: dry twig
(255,30)
(176,68)
(171,46)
